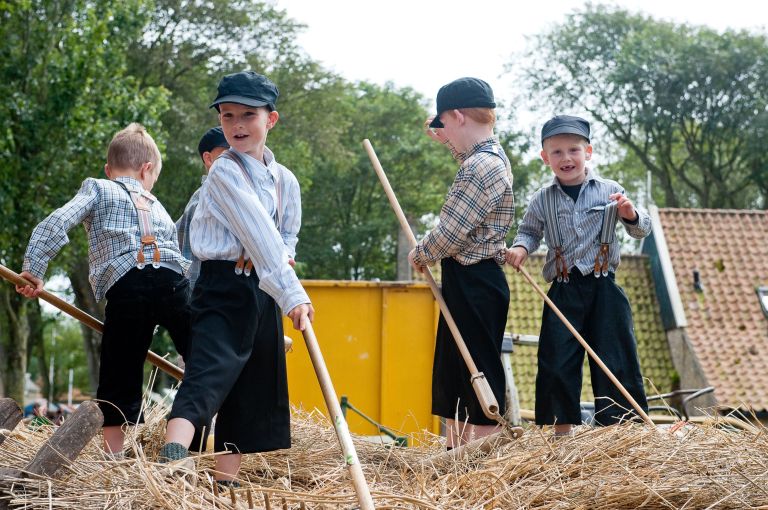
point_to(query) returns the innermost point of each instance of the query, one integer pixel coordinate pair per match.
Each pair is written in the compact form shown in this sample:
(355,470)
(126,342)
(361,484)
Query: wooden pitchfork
(479,382)
(89,320)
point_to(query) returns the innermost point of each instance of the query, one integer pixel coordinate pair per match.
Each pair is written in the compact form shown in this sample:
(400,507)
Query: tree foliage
(690,103)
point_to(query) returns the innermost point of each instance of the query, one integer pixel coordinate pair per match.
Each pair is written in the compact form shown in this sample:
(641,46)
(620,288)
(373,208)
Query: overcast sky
(427,43)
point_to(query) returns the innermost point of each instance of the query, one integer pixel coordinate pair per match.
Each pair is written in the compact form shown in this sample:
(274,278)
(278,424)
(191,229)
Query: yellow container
(378,341)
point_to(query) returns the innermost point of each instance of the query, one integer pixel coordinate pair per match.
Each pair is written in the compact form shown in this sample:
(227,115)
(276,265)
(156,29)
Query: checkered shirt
(478,209)
(111,222)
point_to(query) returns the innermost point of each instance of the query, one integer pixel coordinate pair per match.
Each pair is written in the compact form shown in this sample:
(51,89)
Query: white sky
(427,43)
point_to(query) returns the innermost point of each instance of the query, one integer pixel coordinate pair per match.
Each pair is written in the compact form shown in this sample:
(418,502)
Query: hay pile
(618,467)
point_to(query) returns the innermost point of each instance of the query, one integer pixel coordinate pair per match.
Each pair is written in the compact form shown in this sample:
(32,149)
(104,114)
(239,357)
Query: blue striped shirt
(580,224)
(106,210)
(233,213)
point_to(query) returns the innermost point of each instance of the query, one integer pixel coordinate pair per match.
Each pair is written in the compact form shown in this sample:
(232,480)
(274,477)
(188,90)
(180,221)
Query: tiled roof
(726,325)
(634,276)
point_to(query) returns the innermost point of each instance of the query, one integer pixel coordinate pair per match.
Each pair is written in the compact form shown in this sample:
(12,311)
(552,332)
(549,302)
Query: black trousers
(136,304)
(599,310)
(477,296)
(236,365)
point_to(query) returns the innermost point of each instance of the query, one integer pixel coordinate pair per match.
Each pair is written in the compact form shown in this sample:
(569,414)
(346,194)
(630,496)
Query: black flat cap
(463,93)
(565,124)
(248,88)
(212,138)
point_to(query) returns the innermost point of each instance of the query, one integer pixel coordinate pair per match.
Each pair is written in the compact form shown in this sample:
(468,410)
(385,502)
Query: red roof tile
(726,325)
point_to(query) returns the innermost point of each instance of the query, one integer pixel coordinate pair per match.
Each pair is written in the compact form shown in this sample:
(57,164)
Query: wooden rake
(479,382)
(592,353)
(89,320)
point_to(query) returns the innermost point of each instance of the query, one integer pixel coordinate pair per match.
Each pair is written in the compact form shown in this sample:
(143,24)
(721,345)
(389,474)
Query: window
(762,294)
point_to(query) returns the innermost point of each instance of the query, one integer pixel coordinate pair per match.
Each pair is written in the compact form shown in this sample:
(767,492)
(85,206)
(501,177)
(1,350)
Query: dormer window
(762,295)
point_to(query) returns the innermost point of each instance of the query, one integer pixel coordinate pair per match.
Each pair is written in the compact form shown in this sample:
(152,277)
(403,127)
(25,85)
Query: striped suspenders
(607,235)
(550,214)
(242,266)
(143,201)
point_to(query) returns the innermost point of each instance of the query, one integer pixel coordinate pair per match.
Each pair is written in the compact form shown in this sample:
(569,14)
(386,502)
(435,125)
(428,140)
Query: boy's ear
(544,156)
(147,167)
(107,171)
(272,119)
(588,152)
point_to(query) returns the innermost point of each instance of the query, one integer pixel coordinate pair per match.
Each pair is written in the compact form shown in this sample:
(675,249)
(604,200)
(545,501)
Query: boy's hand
(626,207)
(516,256)
(417,267)
(28,290)
(434,133)
(291,262)
(300,315)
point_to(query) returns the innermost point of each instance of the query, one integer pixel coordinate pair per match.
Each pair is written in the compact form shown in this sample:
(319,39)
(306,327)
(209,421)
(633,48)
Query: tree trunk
(15,349)
(85,300)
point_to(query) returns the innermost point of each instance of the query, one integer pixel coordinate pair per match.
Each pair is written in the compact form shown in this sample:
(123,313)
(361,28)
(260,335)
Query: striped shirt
(290,219)
(106,210)
(233,214)
(478,209)
(580,224)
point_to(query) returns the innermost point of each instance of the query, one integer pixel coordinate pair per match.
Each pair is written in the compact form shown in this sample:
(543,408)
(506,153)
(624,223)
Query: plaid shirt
(182,231)
(478,209)
(580,225)
(106,210)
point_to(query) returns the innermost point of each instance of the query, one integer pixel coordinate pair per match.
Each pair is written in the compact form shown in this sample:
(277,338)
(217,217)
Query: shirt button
(581,245)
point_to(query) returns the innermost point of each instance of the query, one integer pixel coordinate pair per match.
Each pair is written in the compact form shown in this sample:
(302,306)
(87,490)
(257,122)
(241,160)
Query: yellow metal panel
(407,351)
(347,325)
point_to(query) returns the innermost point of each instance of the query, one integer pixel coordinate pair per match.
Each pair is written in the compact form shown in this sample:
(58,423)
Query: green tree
(689,102)
(64,93)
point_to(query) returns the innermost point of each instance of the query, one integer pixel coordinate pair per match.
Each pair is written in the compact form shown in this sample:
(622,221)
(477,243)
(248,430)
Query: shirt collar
(131,183)
(481,144)
(258,166)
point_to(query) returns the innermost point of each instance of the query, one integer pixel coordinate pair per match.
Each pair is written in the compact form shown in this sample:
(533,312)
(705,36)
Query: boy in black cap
(211,146)
(236,364)
(577,214)
(469,242)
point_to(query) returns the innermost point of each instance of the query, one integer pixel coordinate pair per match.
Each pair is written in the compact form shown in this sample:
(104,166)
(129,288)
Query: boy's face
(246,127)
(211,156)
(567,155)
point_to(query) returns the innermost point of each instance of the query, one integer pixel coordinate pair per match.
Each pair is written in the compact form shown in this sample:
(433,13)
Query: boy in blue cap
(469,242)
(236,365)
(577,215)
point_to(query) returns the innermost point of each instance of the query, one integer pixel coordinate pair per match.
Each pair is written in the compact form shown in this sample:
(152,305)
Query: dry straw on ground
(627,466)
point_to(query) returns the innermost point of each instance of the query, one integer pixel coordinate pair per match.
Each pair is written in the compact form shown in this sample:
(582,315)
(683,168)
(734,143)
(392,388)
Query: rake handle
(337,418)
(592,353)
(89,320)
(479,382)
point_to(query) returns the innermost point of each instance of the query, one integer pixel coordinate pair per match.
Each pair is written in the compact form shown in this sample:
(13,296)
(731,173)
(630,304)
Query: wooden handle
(89,320)
(337,418)
(592,354)
(480,384)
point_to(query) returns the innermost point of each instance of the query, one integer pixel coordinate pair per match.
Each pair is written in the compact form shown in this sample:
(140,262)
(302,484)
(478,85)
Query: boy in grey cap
(577,215)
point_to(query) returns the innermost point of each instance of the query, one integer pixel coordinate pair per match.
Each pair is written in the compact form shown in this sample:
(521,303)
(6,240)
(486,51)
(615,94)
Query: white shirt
(234,214)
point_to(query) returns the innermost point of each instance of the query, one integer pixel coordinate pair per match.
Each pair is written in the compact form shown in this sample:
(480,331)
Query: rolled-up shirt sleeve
(255,229)
(531,229)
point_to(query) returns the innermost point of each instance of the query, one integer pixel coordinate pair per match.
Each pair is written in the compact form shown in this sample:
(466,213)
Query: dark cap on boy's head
(463,93)
(565,124)
(212,138)
(248,88)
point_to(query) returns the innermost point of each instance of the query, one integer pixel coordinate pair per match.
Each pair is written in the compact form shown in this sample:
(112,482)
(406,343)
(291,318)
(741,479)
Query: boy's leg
(560,358)
(175,315)
(255,421)
(223,320)
(127,335)
(611,333)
